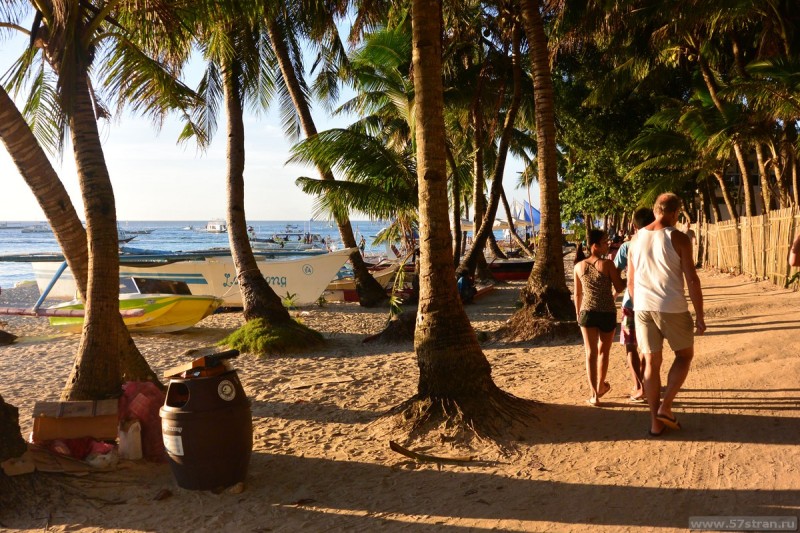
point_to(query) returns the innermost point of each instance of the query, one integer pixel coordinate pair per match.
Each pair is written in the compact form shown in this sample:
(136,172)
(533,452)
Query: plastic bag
(141,400)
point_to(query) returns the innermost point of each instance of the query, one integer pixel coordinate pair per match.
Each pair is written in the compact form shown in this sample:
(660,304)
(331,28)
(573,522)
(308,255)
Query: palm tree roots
(492,416)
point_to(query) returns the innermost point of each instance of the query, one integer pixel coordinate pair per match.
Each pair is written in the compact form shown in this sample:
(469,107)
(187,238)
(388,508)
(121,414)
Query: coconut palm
(282,29)
(67,40)
(546,293)
(455,376)
(239,73)
(34,166)
(375,155)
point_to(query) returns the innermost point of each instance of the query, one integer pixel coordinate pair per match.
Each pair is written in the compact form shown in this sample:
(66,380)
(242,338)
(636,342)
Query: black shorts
(603,320)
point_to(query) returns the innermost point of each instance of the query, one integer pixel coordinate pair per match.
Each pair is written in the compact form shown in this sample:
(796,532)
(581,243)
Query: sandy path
(321,459)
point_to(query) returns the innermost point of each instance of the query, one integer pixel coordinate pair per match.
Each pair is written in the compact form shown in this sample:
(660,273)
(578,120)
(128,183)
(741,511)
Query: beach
(321,458)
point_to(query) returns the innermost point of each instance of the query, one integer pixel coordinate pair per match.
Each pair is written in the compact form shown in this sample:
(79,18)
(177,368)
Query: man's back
(658,276)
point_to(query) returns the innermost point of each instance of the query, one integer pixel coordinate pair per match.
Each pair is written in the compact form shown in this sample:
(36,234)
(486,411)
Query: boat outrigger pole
(61,268)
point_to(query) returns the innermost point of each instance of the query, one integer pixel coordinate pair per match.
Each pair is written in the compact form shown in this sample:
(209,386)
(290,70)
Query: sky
(154,178)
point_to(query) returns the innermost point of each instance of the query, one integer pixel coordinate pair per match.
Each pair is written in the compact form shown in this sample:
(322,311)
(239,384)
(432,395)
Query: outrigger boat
(207,273)
(344,289)
(168,306)
(162,311)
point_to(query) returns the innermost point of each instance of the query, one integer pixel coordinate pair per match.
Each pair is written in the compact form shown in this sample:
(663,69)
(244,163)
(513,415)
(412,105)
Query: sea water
(167,236)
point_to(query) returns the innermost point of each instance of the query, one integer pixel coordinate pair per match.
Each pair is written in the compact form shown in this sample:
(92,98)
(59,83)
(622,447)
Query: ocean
(184,235)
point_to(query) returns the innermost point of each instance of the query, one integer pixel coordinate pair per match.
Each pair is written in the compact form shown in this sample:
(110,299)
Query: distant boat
(37,228)
(216,226)
(291,238)
(344,289)
(511,269)
(124,236)
(6,225)
(163,311)
(304,279)
(146,231)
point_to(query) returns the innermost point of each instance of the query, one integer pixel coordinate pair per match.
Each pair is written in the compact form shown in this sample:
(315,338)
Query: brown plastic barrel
(208,431)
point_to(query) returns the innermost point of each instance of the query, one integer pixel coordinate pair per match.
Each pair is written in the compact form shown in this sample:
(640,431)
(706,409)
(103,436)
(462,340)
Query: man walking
(660,260)
(627,336)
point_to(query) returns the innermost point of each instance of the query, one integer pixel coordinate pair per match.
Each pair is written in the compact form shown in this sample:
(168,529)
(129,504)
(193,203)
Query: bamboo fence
(757,246)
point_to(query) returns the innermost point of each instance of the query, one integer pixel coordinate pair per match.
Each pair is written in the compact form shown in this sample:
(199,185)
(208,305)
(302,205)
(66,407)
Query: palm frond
(143,83)
(43,112)
(357,157)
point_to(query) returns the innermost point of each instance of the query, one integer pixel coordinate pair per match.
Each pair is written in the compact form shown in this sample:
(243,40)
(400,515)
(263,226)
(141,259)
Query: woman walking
(596,279)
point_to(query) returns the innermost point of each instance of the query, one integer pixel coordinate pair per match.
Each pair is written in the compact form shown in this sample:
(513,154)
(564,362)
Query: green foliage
(290,300)
(263,338)
(593,139)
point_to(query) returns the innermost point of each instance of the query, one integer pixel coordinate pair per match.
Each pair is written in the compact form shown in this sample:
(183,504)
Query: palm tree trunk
(11,442)
(726,196)
(546,294)
(789,161)
(456,188)
(711,202)
(258,298)
(513,229)
(482,234)
(766,191)
(38,173)
(452,365)
(41,177)
(370,292)
(478,196)
(96,373)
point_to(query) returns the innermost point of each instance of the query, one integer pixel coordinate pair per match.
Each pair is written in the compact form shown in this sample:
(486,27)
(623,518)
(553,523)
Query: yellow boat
(161,312)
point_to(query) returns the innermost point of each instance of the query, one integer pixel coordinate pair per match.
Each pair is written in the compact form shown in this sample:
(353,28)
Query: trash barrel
(207,430)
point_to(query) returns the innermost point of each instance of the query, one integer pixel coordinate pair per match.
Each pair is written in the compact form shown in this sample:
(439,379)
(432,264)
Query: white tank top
(658,277)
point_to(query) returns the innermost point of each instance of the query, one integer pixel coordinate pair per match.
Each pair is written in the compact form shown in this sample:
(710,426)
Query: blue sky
(156,179)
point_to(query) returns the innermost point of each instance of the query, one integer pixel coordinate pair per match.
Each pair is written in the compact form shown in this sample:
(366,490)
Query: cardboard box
(71,420)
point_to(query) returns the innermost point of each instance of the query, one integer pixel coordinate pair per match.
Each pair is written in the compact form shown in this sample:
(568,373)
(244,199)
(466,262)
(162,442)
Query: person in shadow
(466,287)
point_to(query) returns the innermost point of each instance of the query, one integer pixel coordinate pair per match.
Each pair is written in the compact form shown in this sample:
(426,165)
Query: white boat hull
(304,279)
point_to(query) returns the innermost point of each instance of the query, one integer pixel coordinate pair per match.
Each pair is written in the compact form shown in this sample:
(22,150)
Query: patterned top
(598,292)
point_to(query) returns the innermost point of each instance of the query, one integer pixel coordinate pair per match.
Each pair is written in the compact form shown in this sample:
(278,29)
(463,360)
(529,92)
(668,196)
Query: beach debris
(399,329)
(428,458)
(6,338)
(303,501)
(163,494)
(141,401)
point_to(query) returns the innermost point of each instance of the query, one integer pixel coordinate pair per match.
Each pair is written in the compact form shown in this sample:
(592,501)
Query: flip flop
(640,399)
(594,402)
(654,434)
(670,422)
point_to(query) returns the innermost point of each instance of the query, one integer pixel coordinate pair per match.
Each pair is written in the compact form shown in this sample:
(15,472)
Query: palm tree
(238,72)
(70,36)
(35,168)
(288,59)
(375,155)
(546,293)
(485,228)
(454,374)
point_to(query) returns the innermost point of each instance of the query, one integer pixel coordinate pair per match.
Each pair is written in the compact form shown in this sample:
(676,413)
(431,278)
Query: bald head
(667,203)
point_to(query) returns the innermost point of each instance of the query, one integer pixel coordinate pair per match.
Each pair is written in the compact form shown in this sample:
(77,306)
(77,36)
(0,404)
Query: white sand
(321,459)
